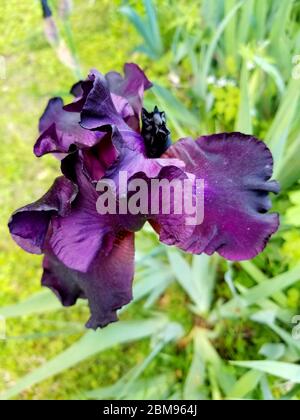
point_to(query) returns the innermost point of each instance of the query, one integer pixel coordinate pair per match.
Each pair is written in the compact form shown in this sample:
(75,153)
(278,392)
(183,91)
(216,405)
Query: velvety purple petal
(98,159)
(107,285)
(76,90)
(80,90)
(99,110)
(123,94)
(236,170)
(29,225)
(131,156)
(168,218)
(131,87)
(103,109)
(78,237)
(58,278)
(60,129)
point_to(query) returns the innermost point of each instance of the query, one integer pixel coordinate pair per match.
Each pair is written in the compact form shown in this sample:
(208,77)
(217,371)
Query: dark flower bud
(155,132)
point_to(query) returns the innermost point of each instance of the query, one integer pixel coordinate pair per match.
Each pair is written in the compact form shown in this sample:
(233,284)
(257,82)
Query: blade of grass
(245,21)
(40,302)
(289,169)
(175,108)
(230,31)
(272,71)
(268,288)
(261,13)
(287,371)
(245,385)
(173,332)
(195,379)
(278,133)
(258,276)
(243,122)
(203,278)
(153,23)
(213,44)
(258,295)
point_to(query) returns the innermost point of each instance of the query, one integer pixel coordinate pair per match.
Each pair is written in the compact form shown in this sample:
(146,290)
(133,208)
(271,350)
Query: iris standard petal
(99,109)
(131,87)
(60,129)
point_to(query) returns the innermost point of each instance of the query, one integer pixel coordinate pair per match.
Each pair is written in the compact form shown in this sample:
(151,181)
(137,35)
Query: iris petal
(131,87)
(107,285)
(236,170)
(126,92)
(60,129)
(99,109)
(29,225)
(77,237)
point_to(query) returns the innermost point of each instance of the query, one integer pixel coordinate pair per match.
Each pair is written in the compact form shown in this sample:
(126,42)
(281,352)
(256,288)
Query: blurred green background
(199,327)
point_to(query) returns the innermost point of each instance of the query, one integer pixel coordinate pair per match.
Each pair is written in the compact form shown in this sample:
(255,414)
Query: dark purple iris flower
(89,255)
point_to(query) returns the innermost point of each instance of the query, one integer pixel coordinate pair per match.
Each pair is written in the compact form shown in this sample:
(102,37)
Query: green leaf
(172,332)
(265,389)
(289,169)
(149,283)
(230,32)
(278,133)
(258,276)
(175,108)
(182,271)
(261,14)
(156,387)
(280,42)
(291,394)
(214,42)
(196,375)
(287,371)
(270,287)
(243,122)
(141,27)
(212,12)
(203,279)
(153,23)
(198,281)
(272,71)
(246,384)
(279,23)
(147,27)
(287,337)
(258,295)
(245,21)
(40,302)
(272,351)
